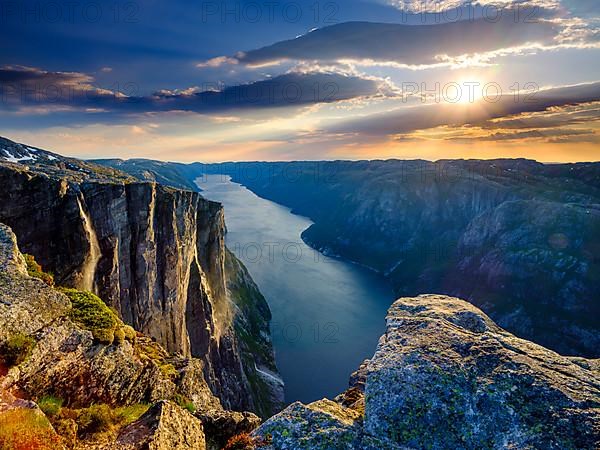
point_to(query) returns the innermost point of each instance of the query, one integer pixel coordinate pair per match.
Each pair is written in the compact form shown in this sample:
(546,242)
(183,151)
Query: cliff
(445,376)
(99,384)
(154,253)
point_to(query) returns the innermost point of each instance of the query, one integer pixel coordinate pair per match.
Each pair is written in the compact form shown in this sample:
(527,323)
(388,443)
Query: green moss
(17,349)
(35,270)
(148,349)
(119,336)
(130,333)
(128,414)
(90,312)
(169,371)
(50,405)
(96,419)
(104,336)
(184,402)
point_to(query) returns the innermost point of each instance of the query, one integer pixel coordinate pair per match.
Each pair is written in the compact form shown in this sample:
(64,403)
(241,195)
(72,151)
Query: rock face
(61,359)
(65,359)
(252,326)
(445,376)
(220,426)
(515,237)
(165,426)
(154,253)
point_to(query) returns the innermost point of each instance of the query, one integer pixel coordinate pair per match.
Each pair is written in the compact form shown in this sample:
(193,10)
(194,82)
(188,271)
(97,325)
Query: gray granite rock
(444,375)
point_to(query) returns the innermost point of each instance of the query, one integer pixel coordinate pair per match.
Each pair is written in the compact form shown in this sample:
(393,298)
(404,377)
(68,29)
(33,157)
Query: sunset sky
(263,80)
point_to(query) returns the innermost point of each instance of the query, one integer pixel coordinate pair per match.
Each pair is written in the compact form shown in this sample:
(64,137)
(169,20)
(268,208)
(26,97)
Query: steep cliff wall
(91,385)
(154,253)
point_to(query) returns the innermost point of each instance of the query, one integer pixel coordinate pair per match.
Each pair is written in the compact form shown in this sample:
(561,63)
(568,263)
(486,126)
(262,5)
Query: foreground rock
(220,426)
(445,376)
(164,427)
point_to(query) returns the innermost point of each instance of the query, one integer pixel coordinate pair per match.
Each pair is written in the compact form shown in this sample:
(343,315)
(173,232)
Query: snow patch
(12,158)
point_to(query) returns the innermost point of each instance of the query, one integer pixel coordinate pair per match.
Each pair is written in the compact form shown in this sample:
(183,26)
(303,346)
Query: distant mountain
(167,173)
(517,238)
(21,156)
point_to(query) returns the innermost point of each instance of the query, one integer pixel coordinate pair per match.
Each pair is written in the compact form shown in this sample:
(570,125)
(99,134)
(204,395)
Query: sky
(308,79)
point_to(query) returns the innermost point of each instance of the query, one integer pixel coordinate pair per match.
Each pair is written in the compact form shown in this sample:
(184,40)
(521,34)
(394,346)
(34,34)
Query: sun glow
(465,91)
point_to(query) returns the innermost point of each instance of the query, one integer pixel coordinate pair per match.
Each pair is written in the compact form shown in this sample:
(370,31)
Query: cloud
(405,44)
(217,62)
(438,6)
(406,120)
(25,89)
(551,135)
(30,78)
(430,36)
(549,118)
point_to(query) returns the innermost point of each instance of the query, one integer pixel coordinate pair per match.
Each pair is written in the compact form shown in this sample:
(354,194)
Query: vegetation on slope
(26,429)
(16,349)
(35,270)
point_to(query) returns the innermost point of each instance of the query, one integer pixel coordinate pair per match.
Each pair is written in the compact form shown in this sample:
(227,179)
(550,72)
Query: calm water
(327,314)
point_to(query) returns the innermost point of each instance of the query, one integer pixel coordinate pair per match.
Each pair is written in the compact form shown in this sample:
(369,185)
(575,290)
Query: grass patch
(93,314)
(35,270)
(184,402)
(24,429)
(50,405)
(96,419)
(94,422)
(17,349)
(128,414)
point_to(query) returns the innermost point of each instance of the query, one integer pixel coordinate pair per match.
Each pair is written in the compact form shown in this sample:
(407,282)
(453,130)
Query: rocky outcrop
(164,427)
(445,376)
(63,359)
(220,425)
(154,253)
(60,360)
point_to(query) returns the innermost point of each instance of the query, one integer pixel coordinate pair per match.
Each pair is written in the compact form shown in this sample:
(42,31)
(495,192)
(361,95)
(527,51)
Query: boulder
(221,425)
(444,375)
(165,426)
